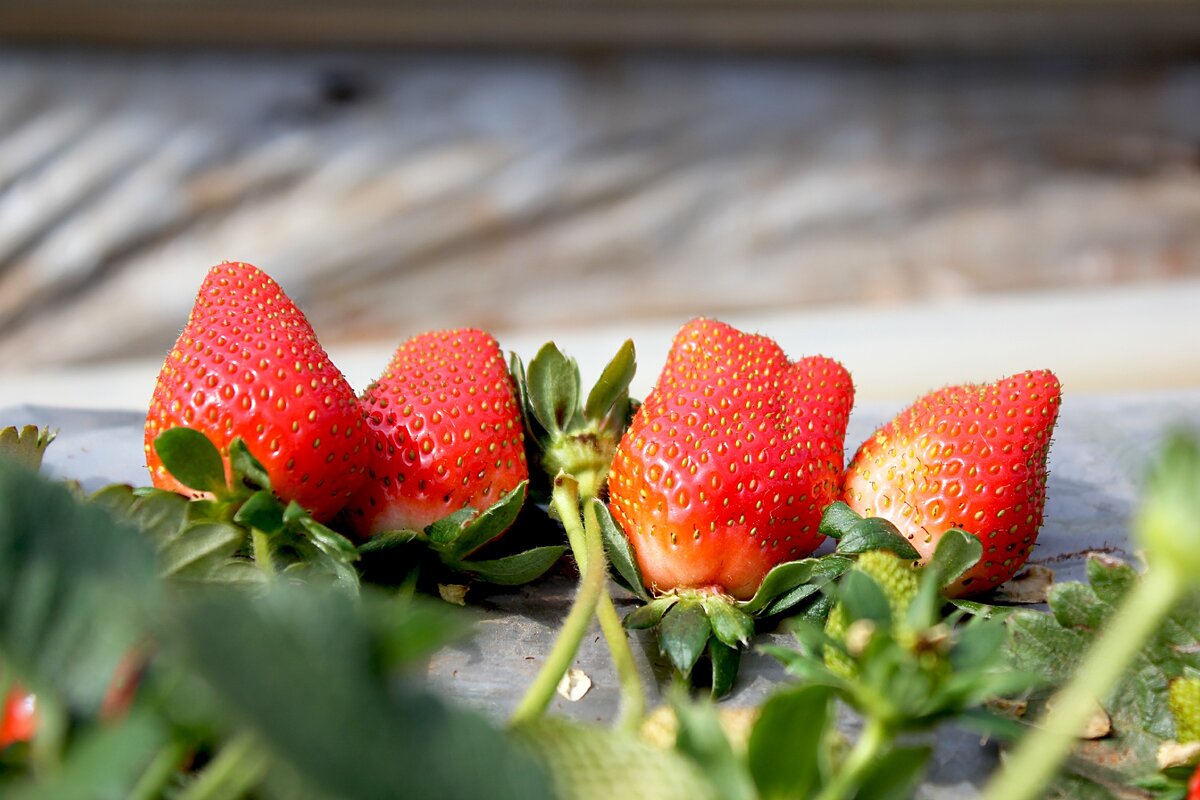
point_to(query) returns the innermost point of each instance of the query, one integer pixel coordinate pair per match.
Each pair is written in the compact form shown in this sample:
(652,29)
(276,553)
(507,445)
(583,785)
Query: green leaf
(828,568)
(895,775)
(651,614)
(702,740)
(620,552)
(247,470)
(683,633)
(786,743)
(1110,578)
(782,578)
(876,533)
(553,384)
(389,540)
(106,763)
(192,459)
(725,663)
(25,445)
(978,609)
(863,598)
(838,519)
(199,551)
(260,655)
(613,383)
(957,551)
(729,623)
(495,520)
(262,511)
(516,569)
(446,530)
(325,538)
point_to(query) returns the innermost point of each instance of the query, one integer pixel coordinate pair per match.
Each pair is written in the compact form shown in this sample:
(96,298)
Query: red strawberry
(727,465)
(1193,787)
(448,432)
(18,717)
(970,457)
(249,365)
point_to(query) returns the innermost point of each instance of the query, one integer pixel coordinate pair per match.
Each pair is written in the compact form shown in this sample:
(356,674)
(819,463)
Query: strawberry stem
(160,771)
(262,552)
(871,741)
(1038,755)
(633,699)
(591,586)
(236,770)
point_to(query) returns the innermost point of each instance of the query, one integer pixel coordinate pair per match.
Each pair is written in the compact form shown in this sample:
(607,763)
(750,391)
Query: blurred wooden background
(394,189)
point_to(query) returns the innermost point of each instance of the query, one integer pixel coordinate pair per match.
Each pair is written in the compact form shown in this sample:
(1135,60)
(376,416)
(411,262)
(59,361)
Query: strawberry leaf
(620,552)
(388,540)
(553,386)
(895,774)
(782,578)
(827,568)
(863,598)
(838,519)
(261,511)
(199,551)
(495,520)
(613,383)
(513,570)
(444,532)
(1051,646)
(787,741)
(192,459)
(247,470)
(326,539)
(683,633)
(875,533)
(957,551)
(702,739)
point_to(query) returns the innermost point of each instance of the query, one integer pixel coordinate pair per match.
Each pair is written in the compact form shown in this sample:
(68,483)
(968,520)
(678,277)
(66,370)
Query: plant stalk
(1038,754)
(236,770)
(591,586)
(262,552)
(871,741)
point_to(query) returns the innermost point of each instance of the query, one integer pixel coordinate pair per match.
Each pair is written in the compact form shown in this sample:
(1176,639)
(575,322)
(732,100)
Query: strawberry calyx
(453,539)
(277,537)
(561,433)
(25,445)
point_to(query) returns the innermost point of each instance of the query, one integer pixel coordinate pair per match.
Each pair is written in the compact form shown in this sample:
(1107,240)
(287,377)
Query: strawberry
(448,433)
(726,466)
(249,366)
(971,457)
(18,717)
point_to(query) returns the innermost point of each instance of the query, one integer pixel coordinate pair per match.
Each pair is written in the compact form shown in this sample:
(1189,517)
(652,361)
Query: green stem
(236,770)
(1038,755)
(591,586)
(633,698)
(262,552)
(164,765)
(875,736)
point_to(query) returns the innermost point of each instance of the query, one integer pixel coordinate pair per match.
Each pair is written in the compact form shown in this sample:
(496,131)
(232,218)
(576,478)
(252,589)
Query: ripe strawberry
(971,457)
(1193,787)
(18,717)
(448,433)
(727,465)
(249,365)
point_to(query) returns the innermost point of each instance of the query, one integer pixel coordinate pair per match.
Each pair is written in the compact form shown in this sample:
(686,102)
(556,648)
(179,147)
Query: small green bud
(898,580)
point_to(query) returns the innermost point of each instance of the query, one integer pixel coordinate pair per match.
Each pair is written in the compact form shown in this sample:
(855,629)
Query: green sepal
(192,459)
(730,624)
(683,634)
(326,539)
(725,662)
(247,470)
(978,609)
(702,740)
(388,540)
(613,383)
(782,578)
(445,531)
(863,598)
(651,614)
(26,445)
(827,569)
(200,551)
(784,752)
(552,383)
(262,511)
(957,551)
(807,667)
(924,610)
(493,521)
(620,552)
(895,774)
(513,570)
(876,533)
(838,519)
